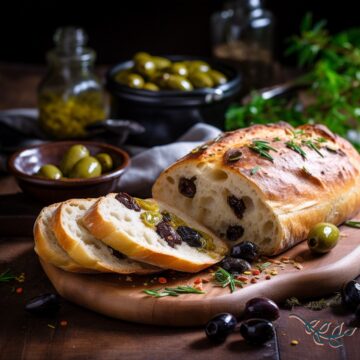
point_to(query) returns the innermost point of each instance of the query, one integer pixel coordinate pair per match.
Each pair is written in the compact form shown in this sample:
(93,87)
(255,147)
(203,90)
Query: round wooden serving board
(122,297)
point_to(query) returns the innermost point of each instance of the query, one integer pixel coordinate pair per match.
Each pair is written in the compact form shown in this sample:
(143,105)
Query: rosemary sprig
(353,224)
(263,266)
(224,279)
(179,290)
(6,276)
(312,146)
(320,140)
(295,147)
(262,147)
(254,170)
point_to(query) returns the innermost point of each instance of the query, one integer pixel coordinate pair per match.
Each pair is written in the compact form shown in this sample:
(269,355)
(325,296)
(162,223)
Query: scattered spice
(20,278)
(273,273)
(254,170)
(242,278)
(198,281)
(255,271)
(253,281)
(51,326)
(267,277)
(128,278)
(294,342)
(19,290)
(63,323)
(298,266)
(162,280)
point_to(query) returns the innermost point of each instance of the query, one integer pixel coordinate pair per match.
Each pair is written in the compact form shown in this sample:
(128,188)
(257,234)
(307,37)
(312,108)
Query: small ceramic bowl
(25,163)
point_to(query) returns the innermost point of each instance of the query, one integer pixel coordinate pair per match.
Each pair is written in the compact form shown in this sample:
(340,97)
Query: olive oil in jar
(70,97)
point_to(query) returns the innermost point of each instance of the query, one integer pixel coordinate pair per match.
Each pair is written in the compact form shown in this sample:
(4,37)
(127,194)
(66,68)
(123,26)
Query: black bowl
(167,114)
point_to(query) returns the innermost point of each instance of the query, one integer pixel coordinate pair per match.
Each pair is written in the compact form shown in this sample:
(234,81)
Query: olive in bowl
(25,165)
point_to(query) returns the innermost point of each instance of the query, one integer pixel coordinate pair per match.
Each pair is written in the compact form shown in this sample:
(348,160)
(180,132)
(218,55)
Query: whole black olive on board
(220,327)
(350,295)
(246,250)
(45,304)
(257,331)
(235,266)
(261,308)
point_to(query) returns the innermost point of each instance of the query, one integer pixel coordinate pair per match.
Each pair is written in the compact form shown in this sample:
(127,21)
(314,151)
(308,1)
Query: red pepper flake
(162,280)
(63,323)
(19,290)
(285,258)
(255,271)
(253,281)
(242,278)
(267,277)
(198,281)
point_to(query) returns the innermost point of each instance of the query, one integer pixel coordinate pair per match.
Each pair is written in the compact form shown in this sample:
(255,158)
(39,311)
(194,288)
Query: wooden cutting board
(122,297)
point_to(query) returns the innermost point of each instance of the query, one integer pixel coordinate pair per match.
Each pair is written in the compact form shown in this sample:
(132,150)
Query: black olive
(350,295)
(187,187)
(234,232)
(357,313)
(246,250)
(128,201)
(190,236)
(235,266)
(232,155)
(166,216)
(237,205)
(257,331)
(168,233)
(45,304)
(220,326)
(262,308)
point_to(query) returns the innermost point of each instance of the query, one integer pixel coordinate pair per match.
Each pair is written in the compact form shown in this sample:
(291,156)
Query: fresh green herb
(262,147)
(312,146)
(6,276)
(263,266)
(276,139)
(295,147)
(320,140)
(254,170)
(353,224)
(179,290)
(224,279)
(332,82)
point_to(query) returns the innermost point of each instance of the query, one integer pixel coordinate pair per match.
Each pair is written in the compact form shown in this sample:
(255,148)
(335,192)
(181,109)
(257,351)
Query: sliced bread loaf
(86,249)
(46,244)
(147,231)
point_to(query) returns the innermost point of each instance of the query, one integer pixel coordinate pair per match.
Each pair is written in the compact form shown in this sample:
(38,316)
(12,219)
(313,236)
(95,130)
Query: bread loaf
(267,183)
(147,231)
(84,248)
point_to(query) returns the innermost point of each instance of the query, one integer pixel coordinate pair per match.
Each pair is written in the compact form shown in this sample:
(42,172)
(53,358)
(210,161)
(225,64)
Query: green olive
(145,67)
(88,167)
(179,68)
(150,86)
(141,55)
(50,171)
(161,62)
(217,77)
(135,81)
(323,237)
(201,80)
(177,82)
(105,161)
(122,76)
(161,80)
(197,65)
(72,156)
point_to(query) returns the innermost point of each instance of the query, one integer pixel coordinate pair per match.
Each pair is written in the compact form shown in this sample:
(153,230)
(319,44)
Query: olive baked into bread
(268,184)
(147,231)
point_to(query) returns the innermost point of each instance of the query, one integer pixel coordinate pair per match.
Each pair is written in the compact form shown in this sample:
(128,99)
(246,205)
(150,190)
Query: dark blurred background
(117,29)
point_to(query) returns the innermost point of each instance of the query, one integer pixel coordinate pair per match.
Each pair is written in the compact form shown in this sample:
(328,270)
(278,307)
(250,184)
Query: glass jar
(243,36)
(70,96)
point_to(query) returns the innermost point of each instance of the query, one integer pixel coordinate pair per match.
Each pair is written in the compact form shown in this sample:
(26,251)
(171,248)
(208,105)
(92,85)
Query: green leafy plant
(332,83)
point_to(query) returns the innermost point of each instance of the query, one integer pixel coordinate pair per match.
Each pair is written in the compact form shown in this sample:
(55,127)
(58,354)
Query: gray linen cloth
(147,165)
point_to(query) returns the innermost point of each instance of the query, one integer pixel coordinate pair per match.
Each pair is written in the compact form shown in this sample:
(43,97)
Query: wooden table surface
(92,336)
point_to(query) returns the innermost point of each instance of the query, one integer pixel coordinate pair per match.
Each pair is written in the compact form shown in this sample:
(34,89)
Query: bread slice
(124,229)
(46,244)
(85,248)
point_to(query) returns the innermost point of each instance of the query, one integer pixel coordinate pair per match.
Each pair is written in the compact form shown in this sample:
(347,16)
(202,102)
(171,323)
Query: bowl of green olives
(169,94)
(62,170)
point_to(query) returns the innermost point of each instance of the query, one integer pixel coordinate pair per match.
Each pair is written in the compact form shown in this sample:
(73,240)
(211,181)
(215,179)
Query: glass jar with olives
(77,162)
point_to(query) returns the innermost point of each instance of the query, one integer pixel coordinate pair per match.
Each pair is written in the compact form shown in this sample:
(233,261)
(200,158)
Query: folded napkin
(147,165)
